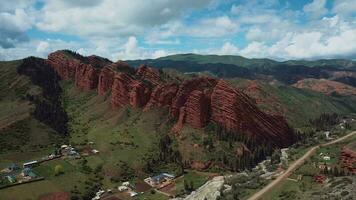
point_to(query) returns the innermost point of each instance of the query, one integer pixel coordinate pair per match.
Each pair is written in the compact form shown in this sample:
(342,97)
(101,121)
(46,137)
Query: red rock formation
(197,109)
(235,111)
(348,160)
(149,74)
(86,77)
(194,102)
(139,94)
(106,79)
(162,95)
(128,91)
(97,61)
(186,88)
(181,120)
(64,66)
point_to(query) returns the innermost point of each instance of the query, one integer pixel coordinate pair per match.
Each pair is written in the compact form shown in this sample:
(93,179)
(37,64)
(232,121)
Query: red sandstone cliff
(64,66)
(235,111)
(195,102)
(86,77)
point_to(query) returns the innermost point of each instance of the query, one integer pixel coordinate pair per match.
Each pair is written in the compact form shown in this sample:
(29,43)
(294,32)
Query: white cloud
(112,17)
(344,7)
(159,53)
(228,49)
(13,25)
(212,27)
(132,50)
(39,48)
(316,8)
(42,46)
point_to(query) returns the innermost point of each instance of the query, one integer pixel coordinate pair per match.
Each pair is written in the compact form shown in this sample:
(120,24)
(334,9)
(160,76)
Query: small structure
(122,188)
(326,158)
(126,183)
(27,172)
(159,179)
(133,193)
(327,134)
(30,164)
(94,151)
(11,179)
(98,195)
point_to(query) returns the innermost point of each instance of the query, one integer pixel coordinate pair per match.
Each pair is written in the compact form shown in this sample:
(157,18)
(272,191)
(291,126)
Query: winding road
(294,166)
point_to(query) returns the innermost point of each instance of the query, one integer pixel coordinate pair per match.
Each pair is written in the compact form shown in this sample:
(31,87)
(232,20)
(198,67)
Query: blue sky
(136,29)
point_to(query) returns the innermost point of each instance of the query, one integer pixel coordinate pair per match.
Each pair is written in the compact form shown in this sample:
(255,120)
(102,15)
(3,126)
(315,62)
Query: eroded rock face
(149,74)
(162,95)
(128,91)
(195,102)
(197,109)
(64,66)
(186,88)
(86,77)
(106,79)
(235,111)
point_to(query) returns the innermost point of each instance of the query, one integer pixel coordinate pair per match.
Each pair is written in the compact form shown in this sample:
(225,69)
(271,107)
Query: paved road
(294,166)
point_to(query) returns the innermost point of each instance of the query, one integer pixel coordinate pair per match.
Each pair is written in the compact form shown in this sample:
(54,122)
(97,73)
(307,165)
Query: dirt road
(294,166)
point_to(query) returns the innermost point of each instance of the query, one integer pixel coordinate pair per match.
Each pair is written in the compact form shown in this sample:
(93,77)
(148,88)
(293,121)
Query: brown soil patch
(142,187)
(56,196)
(169,189)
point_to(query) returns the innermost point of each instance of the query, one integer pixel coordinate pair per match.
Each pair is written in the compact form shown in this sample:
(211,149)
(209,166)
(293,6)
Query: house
(11,179)
(126,183)
(30,164)
(28,172)
(159,179)
(122,188)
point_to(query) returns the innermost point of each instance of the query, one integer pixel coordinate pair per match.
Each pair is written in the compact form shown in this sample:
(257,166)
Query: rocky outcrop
(64,66)
(195,102)
(106,79)
(106,76)
(235,111)
(86,77)
(348,160)
(197,109)
(186,88)
(149,74)
(128,91)
(162,95)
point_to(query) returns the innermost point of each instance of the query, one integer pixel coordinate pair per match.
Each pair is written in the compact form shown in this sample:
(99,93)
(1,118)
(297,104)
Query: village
(23,173)
(16,174)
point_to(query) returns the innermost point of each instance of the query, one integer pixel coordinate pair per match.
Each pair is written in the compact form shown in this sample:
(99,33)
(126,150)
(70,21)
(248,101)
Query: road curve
(294,166)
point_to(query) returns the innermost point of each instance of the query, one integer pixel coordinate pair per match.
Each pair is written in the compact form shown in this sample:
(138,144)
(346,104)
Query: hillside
(326,86)
(236,66)
(143,121)
(296,105)
(22,127)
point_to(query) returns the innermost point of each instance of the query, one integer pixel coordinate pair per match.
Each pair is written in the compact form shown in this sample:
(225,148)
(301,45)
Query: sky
(140,29)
